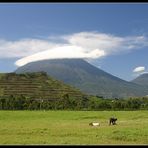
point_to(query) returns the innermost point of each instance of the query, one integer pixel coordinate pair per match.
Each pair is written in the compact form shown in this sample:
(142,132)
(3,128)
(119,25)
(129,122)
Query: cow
(112,121)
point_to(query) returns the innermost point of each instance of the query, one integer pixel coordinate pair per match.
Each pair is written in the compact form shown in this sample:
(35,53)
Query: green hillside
(35,85)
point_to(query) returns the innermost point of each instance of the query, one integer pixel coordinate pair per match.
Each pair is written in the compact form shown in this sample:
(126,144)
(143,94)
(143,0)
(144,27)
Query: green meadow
(72,128)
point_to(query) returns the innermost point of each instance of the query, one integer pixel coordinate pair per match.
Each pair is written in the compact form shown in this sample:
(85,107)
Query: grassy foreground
(72,127)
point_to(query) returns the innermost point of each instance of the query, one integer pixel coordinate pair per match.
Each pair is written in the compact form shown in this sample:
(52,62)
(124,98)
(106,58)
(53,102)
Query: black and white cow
(112,121)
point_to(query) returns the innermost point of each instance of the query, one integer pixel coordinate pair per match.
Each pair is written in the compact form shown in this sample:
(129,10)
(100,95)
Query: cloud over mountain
(140,70)
(76,45)
(61,52)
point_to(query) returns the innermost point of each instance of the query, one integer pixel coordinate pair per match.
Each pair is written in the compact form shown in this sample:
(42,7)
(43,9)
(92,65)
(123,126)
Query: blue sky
(116,32)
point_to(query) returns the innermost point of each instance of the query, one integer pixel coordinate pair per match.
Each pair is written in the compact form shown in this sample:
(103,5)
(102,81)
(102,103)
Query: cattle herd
(112,121)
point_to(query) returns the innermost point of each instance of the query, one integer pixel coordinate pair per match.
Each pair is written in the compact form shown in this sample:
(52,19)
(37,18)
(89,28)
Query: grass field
(72,127)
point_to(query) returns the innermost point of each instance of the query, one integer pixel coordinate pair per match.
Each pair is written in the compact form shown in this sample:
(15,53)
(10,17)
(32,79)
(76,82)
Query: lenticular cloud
(68,51)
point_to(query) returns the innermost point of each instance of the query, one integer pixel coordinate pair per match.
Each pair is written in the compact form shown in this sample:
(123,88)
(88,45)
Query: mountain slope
(86,77)
(35,85)
(142,80)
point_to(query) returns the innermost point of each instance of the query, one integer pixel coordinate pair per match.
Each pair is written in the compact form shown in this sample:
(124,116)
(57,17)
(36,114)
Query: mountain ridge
(88,78)
(141,80)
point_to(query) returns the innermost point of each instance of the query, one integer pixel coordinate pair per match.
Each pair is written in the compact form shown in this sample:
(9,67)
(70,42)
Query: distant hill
(142,80)
(86,77)
(35,85)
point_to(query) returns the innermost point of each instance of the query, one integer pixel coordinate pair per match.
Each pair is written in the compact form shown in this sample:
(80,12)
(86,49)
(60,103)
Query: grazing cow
(112,121)
(94,124)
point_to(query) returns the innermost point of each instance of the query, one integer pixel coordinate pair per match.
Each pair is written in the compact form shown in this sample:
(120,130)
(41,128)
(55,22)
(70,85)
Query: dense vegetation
(96,103)
(68,103)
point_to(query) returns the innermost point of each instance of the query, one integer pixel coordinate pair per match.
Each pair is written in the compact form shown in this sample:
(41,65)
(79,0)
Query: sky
(111,36)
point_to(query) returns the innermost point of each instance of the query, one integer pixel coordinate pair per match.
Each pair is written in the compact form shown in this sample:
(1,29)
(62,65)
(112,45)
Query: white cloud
(61,52)
(111,44)
(77,45)
(92,40)
(24,47)
(139,69)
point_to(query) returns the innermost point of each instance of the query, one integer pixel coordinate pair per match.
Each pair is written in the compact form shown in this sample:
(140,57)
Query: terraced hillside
(35,85)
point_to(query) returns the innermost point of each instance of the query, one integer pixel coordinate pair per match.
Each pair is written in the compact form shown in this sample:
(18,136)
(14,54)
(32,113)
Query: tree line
(68,103)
